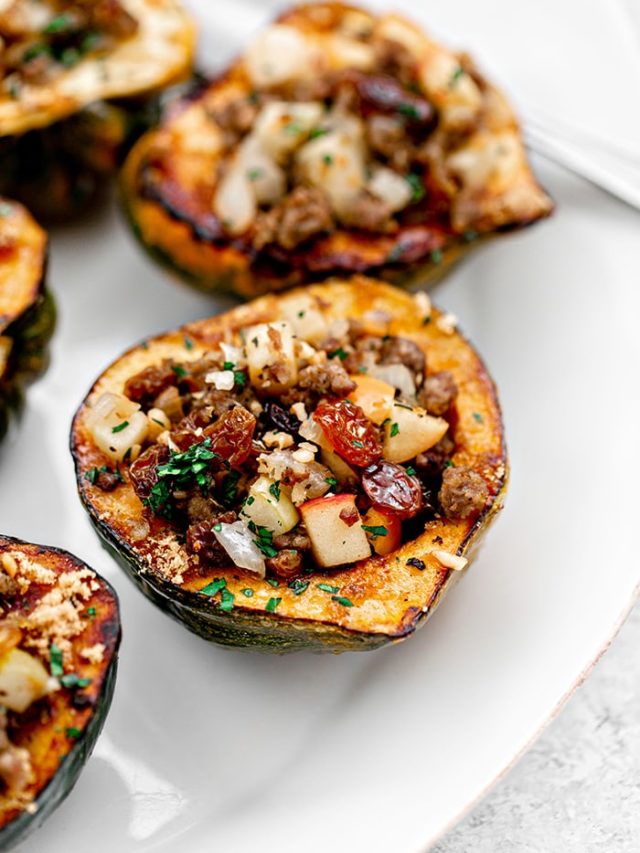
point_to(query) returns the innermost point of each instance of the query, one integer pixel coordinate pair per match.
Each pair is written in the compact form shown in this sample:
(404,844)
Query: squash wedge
(59,636)
(319,604)
(340,142)
(79,85)
(27,313)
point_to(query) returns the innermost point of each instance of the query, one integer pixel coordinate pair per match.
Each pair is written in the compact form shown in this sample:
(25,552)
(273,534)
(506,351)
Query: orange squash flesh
(390,597)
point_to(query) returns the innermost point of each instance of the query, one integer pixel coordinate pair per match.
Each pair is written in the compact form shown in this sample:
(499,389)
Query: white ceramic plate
(206,749)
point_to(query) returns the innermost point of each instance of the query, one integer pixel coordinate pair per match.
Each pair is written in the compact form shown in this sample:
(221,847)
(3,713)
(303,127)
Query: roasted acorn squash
(61,130)
(27,314)
(59,636)
(324,605)
(340,142)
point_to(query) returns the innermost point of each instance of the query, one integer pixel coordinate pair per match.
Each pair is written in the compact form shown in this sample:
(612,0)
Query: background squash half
(471,179)
(390,596)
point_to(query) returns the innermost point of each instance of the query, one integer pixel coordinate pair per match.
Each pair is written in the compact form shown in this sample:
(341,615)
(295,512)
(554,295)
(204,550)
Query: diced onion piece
(239,543)
(397,375)
(312,431)
(197,134)
(453,91)
(23,680)
(307,321)
(450,561)
(233,354)
(343,472)
(396,28)
(410,432)
(279,54)
(281,127)
(268,506)
(345,52)
(267,179)
(158,423)
(117,426)
(234,201)
(391,187)
(271,356)
(335,162)
(488,158)
(222,380)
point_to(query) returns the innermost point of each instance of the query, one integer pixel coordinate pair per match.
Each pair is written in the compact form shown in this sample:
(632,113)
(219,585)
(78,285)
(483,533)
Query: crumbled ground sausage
(396,350)
(367,212)
(431,463)
(202,541)
(329,378)
(147,385)
(462,492)
(108,480)
(304,213)
(438,393)
(386,135)
(237,116)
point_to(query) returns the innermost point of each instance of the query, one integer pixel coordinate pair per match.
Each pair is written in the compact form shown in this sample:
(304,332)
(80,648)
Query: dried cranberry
(143,470)
(388,486)
(280,418)
(350,431)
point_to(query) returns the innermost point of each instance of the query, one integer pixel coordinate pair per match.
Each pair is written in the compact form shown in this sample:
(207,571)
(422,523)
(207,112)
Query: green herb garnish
(331,481)
(318,131)
(229,489)
(179,371)
(416,185)
(272,582)
(477,417)
(325,587)
(395,429)
(298,586)
(375,530)
(410,470)
(55,661)
(120,427)
(255,174)
(73,733)
(214,587)
(264,539)
(227,599)
(457,74)
(272,604)
(180,472)
(188,343)
(71,681)
(338,353)
(327,159)
(57,24)
(340,599)
(408,110)
(247,591)
(274,489)
(436,256)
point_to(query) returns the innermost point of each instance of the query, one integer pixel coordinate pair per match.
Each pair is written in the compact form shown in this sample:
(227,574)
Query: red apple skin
(383,545)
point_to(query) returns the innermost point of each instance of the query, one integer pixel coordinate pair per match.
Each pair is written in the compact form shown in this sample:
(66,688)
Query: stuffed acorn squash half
(75,90)
(339,142)
(308,471)
(27,314)
(59,636)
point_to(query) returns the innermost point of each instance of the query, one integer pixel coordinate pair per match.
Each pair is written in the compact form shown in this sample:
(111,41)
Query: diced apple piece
(334,541)
(268,506)
(410,431)
(335,163)
(307,321)
(383,529)
(23,680)
(117,426)
(374,397)
(271,357)
(343,472)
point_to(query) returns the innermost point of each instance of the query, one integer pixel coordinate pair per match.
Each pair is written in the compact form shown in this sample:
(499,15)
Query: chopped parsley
(292,127)
(436,256)
(408,110)
(470,235)
(255,174)
(416,186)
(214,587)
(325,587)
(272,604)
(457,74)
(264,539)
(340,599)
(179,371)
(90,612)
(92,474)
(57,24)
(375,530)
(72,681)
(327,159)
(229,489)
(240,378)
(55,661)
(477,417)
(247,591)
(299,586)
(318,131)
(357,443)
(338,353)
(181,471)
(188,343)
(394,430)
(449,464)
(272,582)
(228,365)
(227,599)
(410,470)
(73,733)
(331,481)
(274,488)
(120,427)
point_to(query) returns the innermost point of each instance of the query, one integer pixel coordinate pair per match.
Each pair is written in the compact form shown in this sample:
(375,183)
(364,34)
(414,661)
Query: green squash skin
(31,334)
(67,774)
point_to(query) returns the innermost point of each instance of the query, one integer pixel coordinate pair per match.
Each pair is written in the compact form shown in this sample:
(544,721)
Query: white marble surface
(578,789)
